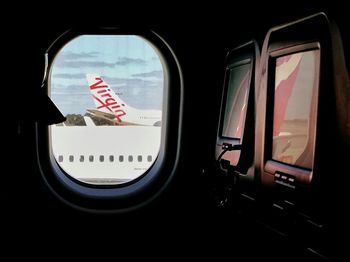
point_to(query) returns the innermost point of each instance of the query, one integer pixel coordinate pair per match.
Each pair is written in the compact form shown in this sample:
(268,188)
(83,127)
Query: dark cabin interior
(188,219)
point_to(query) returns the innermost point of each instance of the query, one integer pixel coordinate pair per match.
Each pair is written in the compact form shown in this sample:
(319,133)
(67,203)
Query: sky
(129,64)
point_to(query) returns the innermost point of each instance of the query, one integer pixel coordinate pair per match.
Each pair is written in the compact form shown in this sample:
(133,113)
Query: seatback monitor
(295,89)
(236,101)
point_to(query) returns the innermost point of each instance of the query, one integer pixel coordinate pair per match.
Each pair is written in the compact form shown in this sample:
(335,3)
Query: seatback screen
(237,87)
(296,87)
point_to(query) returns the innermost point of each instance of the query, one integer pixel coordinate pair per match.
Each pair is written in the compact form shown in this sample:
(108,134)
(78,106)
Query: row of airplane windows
(102,158)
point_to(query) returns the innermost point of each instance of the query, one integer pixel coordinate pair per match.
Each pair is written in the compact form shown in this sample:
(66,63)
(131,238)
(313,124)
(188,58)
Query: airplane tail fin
(105,99)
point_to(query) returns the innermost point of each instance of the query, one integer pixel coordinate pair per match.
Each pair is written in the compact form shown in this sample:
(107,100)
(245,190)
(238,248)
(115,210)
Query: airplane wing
(107,118)
(99,113)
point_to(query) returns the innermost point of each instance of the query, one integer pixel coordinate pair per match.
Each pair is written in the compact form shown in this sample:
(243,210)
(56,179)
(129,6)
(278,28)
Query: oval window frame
(142,190)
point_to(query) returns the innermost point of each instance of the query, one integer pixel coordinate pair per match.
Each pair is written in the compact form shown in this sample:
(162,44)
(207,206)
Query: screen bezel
(240,159)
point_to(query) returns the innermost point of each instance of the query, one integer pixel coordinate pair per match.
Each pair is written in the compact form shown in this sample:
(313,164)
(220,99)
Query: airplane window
(295,86)
(110,89)
(139,158)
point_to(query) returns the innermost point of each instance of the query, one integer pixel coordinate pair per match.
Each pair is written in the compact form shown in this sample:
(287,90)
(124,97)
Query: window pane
(295,85)
(236,101)
(110,88)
